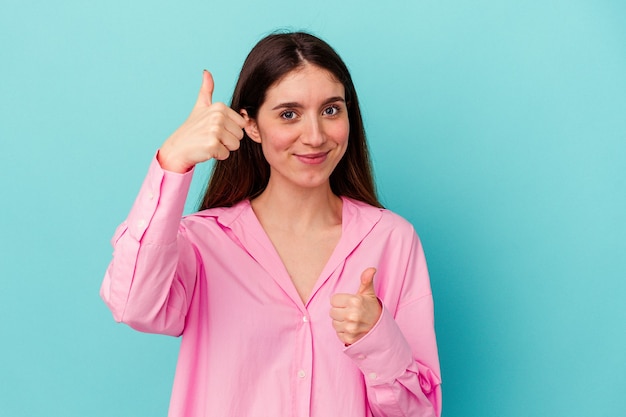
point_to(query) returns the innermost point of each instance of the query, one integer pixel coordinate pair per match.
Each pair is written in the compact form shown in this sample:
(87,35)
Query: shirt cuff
(159,206)
(383,354)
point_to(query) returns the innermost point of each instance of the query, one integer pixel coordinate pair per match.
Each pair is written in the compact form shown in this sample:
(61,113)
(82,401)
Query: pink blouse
(250,346)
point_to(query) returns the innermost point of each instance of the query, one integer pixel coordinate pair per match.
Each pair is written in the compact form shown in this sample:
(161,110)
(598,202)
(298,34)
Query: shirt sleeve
(152,274)
(398,357)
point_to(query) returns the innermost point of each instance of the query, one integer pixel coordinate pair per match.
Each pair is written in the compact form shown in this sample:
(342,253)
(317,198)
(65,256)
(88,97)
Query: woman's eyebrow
(291,104)
(296,105)
(334,100)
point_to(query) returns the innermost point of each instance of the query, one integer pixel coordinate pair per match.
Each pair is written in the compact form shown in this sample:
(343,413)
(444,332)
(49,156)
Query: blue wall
(498,128)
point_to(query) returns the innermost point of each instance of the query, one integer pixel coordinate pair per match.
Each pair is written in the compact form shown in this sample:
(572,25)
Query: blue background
(498,129)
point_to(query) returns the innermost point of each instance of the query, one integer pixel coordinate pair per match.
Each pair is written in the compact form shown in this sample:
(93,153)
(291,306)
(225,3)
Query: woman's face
(302,127)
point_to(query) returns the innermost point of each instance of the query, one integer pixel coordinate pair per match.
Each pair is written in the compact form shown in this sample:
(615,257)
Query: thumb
(367,282)
(205,96)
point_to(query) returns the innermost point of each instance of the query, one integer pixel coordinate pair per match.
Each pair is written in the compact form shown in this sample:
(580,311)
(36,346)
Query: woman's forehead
(308,82)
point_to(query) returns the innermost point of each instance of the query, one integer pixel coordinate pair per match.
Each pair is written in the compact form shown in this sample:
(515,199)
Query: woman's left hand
(354,315)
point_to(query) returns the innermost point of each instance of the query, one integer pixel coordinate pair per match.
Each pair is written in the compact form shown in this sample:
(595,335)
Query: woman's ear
(251,128)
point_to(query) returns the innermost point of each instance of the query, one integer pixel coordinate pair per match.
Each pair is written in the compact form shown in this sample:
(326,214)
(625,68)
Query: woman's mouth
(312,158)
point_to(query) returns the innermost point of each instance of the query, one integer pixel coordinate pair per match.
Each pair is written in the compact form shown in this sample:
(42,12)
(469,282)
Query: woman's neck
(298,210)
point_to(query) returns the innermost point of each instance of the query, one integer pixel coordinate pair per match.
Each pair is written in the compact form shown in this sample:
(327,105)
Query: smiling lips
(312,158)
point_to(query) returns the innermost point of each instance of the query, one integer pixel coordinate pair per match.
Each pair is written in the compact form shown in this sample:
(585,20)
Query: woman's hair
(245,174)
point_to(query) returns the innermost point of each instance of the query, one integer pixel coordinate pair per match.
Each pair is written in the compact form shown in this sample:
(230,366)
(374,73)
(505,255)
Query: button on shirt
(250,346)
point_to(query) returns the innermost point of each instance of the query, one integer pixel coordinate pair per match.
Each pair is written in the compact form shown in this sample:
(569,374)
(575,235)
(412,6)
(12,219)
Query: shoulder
(218,215)
(385,219)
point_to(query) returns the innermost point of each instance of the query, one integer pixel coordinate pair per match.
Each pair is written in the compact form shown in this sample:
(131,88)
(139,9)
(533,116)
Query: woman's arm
(151,278)
(398,355)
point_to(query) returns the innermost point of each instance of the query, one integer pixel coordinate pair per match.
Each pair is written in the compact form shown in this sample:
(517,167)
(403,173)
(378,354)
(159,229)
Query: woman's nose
(313,133)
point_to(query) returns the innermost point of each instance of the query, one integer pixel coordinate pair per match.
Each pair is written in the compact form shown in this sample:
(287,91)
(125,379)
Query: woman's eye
(288,115)
(331,111)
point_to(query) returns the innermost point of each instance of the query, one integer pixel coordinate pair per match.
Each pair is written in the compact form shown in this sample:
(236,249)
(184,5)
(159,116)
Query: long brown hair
(245,173)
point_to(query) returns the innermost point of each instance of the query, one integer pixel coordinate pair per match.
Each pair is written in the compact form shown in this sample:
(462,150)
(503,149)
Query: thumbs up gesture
(354,315)
(212,130)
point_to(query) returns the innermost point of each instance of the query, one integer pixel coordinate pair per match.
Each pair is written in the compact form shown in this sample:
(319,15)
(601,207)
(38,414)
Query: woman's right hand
(211,131)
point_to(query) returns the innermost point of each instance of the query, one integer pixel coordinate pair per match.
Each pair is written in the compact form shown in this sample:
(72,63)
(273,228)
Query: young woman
(295,292)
